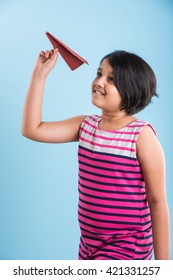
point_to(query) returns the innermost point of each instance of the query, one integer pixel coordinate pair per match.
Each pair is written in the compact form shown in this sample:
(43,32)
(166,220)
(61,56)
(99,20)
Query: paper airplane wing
(72,59)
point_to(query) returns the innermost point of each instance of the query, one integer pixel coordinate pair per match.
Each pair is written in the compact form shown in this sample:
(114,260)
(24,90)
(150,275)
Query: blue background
(38,182)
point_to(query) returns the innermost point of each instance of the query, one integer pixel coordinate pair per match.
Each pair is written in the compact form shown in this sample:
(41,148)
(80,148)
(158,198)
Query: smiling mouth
(98,92)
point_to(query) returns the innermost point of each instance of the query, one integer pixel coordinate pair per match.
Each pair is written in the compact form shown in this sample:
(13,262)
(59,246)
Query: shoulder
(148,145)
(146,131)
(92,120)
(138,125)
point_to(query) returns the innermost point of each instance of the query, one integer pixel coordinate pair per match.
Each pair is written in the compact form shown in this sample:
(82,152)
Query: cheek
(92,84)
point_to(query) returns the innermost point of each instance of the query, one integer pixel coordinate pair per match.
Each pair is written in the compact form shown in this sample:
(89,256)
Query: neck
(113,117)
(111,121)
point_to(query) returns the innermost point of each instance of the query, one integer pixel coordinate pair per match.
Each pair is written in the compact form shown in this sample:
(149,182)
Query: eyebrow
(100,69)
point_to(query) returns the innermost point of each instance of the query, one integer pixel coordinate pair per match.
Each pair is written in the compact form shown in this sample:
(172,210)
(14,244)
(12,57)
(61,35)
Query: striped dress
(113,212)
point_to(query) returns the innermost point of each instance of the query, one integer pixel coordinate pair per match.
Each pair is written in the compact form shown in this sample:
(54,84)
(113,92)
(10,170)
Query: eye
(110,79)
(99,74)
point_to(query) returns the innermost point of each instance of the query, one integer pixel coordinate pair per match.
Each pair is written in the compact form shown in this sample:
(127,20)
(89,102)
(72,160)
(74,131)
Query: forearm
(32,112)
(160,228)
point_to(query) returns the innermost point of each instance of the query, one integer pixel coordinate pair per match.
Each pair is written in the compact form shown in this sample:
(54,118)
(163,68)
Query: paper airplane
(72,59)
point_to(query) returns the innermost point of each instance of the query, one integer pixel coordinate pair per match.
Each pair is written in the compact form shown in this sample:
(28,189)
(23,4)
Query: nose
(100,81)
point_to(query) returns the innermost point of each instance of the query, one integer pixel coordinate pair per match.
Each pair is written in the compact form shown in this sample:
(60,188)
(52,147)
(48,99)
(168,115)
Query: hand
(46,61)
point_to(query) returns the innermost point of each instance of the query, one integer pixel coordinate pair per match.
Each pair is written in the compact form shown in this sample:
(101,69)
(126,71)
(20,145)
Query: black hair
(134,79)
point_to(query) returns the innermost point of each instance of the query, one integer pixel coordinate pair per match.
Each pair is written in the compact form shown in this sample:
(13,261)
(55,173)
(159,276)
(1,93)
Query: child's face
(104,93)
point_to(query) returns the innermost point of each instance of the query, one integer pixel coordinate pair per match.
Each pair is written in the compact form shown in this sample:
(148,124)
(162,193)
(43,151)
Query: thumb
(54,56)
(53,59)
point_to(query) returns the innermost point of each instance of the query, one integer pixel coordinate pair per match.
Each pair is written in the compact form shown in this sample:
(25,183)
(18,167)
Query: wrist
(39,73)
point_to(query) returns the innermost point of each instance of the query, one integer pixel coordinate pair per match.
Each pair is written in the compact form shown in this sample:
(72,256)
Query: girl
(123,212)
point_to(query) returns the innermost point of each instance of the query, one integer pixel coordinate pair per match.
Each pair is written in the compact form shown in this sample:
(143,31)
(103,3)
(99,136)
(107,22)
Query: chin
(96,104)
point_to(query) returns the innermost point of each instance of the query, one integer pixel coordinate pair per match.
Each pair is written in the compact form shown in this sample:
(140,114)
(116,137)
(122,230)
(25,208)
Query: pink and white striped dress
(113,211)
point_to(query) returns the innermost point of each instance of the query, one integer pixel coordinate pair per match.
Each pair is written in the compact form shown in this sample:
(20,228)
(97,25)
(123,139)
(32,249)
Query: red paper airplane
(72,59)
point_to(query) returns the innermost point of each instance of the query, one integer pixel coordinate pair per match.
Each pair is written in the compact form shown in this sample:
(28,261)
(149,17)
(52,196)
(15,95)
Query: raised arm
(151,158)
(32,125)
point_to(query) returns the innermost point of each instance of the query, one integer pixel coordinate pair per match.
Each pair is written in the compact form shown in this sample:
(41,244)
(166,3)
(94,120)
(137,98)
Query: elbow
(156,202)
(30,132)
(24,132)
(27,133)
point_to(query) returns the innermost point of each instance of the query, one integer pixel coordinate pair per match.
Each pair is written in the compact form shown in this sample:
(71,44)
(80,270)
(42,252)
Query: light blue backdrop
(38,182)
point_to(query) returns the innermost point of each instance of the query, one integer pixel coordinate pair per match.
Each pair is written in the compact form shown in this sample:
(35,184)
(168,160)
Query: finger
(47,54)
(53,59)
(55,54)
(42,54)
(51,52)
